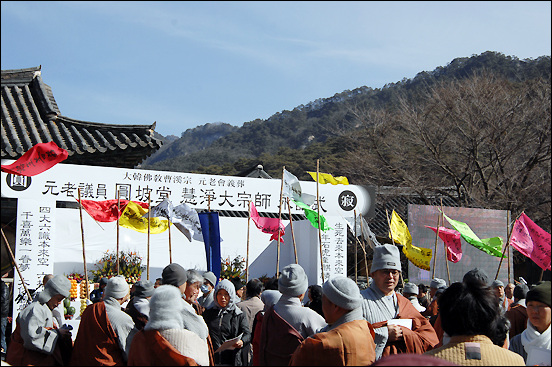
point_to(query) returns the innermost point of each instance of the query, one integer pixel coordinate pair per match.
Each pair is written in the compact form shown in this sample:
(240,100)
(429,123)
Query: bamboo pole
(356,249)
(364,247)
(441,218)
(318,210)
(435,247)
(16,267)
(118,215)
(83,251)
(280,217)
(149,230)
(508,235)
(393,240)
(170,245)
(505,248)
(292,235)
(247,253)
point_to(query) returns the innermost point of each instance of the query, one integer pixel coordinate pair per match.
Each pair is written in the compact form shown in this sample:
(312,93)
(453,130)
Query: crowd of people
(191,318)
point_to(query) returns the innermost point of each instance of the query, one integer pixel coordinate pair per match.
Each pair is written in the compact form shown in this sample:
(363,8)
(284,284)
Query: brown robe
(349,344)
(149,348)
(18,355)
(278,340)
(432,310)
(517,314)
(96,343)
(419,340)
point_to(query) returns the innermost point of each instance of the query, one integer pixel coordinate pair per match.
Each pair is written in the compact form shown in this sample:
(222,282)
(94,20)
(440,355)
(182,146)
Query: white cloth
(306,321)
(534,342)
(189,344)
(416,304)
(142,305)
(33,321)
(193,322)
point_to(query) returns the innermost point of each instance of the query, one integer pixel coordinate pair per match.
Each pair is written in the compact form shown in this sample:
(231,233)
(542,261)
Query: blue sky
(184,64)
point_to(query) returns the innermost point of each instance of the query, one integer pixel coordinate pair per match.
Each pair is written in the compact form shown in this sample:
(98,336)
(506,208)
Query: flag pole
(506,247)
(170,248)
(356,249)
(292,235)
(508,235)
(280,217)
(247,253)
(318,210)
(363,246)
(149,230)
(83,252)
(435,247)
(441,219)
(16,266)
(393,240)
(118,215)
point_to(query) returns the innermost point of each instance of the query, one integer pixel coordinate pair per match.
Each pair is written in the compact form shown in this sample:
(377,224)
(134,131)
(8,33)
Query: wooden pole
(318,210)
(83,251)
(508,235)
(444,244)
(170,247)
(247,253)
(16,266)
(505,249)
(280,217)
(292,235)
(393,240)
(149,230)
(356,249)
(364,247)
(435,247)
(118,215)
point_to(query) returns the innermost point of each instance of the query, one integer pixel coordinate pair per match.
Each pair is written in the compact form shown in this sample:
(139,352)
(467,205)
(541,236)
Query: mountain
(312,130)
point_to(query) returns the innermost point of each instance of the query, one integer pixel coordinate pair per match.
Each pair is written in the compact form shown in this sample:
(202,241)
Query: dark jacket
(6,300)
(229,326)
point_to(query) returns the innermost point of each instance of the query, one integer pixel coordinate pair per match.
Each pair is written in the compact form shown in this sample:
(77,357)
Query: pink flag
(532,241)
(451,238)
(268,225)
(38,159)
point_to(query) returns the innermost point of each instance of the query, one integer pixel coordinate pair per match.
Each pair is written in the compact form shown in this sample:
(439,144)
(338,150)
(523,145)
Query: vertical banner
(211,237)
(33,248)
(334,249)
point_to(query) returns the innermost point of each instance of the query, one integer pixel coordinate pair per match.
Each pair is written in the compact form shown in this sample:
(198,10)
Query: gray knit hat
(437,283)
(143,289)
(117,287)
(410,288)
(293,281)
(210,277)
(497,283)
(269,298)
(166,308)
(59,284)
(520,291)
(476,276)
(342,292)
(174,274)
(386,257)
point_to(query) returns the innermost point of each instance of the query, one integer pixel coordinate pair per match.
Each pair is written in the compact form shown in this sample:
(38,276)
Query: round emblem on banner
(17,182)
(347,200)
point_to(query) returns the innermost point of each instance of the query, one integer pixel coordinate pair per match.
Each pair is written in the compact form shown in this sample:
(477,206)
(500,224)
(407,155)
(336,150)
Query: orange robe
(278,340)
(96,343)
(349,344)
(517,314)
(18,355)
(149,348)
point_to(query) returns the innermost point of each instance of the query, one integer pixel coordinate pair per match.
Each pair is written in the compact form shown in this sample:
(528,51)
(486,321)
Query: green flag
(312,216)
(492,246)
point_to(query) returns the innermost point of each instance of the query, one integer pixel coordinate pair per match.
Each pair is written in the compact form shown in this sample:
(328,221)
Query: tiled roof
(30,115)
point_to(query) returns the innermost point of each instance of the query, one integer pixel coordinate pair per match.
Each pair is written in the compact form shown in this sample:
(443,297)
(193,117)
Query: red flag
(532,241)
(451,238)
(38,159)
(268,225)
(106,211)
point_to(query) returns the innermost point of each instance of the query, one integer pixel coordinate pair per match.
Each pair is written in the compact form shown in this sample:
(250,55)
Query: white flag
(364,229)
(184,218)
(292,189)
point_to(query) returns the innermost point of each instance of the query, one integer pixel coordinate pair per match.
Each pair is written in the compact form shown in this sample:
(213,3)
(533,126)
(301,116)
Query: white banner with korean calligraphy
(34,254)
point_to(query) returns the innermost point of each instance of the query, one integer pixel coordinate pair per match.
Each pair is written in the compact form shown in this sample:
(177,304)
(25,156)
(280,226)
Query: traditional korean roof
(30,115)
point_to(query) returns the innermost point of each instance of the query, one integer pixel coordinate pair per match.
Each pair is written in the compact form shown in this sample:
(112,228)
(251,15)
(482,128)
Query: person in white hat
(207,299)
(383,306)
(105,331)
(35,341)
(411,291)
(288,323)
(348,338)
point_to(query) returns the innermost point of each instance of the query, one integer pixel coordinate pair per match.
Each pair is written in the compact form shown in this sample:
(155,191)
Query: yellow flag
(325,178)
(421,257)
(132,218)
